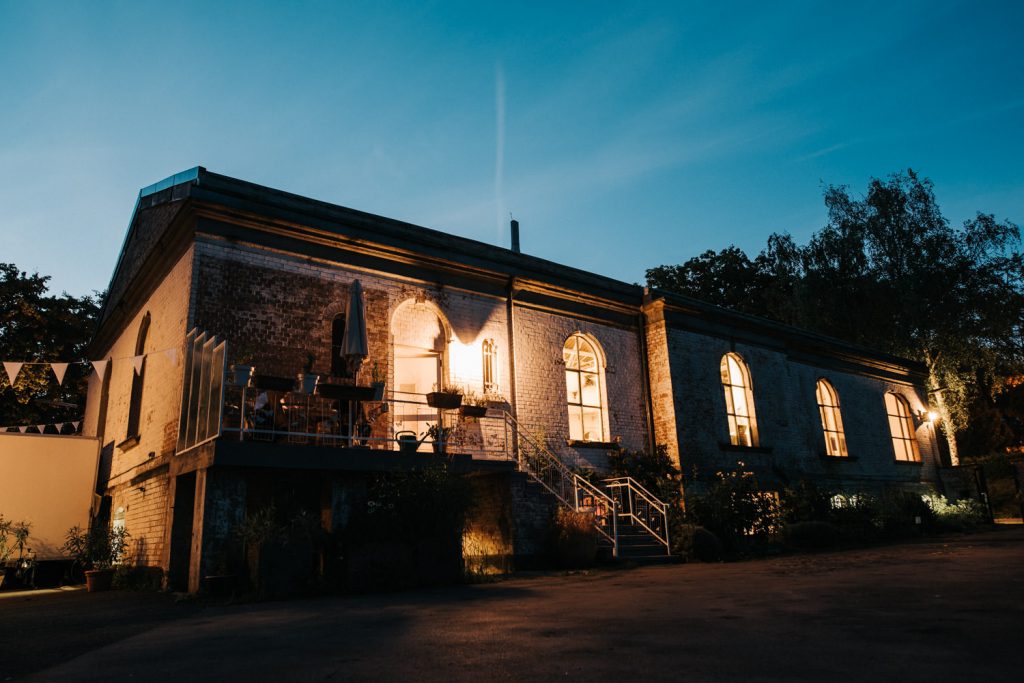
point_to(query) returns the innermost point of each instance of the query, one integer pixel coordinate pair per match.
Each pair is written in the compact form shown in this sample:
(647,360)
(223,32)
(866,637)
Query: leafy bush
(573,541)
(805,502)
(694,542)
(810,535)
(429,503)
(735,508)
(101,547)
(963,514)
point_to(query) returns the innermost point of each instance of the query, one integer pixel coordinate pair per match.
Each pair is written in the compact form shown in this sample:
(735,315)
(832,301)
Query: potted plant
(438,436)
(473,404)
(449,397)
(96,551)
(377,381)
(13,536)
(307,380)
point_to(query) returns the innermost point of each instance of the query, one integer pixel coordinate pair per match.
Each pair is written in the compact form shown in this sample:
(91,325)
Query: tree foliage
(37,326)
(889,272)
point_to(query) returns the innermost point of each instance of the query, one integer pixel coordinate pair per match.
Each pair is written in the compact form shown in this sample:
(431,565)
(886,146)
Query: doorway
(417,372)
(181,532)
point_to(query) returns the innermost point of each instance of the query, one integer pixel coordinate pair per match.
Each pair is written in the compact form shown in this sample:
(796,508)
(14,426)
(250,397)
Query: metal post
(615,529)
(241,423)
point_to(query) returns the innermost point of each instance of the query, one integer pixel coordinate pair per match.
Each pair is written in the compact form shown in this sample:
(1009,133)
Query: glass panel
(572,386)
(729,407)
(569,354)
(575,423)
(736,373)
(724,369)
(739,399)
(591,392)
(592,427)
(743,432)
(588,358)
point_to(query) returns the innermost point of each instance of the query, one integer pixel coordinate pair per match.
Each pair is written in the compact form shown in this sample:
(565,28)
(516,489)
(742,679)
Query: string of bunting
(41,428)
(59,369)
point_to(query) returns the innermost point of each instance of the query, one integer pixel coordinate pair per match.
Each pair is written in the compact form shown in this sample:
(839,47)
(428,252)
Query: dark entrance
(181,532)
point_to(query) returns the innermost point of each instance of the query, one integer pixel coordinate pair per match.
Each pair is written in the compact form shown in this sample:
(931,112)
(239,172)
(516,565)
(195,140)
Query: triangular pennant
(75,424)
(137,362)
(100,366)
(22,429)
(41,428)
(59,426)
(59,369)
(172,355)
(12,369)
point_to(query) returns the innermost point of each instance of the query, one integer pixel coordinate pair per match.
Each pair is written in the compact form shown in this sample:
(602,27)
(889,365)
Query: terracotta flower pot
(99,579)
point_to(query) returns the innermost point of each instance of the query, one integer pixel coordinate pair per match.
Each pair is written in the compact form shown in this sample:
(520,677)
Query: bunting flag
(100,366)
(59,370)
(137,362)
(41,428)
(12,369)
(75,424)
(22,428)
(59,426)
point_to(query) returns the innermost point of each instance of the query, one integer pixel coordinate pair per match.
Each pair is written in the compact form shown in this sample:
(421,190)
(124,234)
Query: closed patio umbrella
(354,345)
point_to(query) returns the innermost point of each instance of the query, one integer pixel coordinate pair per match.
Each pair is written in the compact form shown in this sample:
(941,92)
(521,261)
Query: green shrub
(902,514)
(695,543)
(805,502)
(735,508)
(963,514)
(810,535)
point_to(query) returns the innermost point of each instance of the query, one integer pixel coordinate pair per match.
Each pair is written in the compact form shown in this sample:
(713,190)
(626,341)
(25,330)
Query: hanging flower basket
(473,411)
(443,400)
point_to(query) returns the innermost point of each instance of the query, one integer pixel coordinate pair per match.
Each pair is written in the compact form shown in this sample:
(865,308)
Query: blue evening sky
(621,135)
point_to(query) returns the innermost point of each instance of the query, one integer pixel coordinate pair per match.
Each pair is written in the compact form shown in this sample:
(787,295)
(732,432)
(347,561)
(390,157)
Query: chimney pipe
(515,236)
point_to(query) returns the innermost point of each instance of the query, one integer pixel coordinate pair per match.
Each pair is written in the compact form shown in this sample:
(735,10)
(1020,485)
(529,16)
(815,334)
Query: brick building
(572,364)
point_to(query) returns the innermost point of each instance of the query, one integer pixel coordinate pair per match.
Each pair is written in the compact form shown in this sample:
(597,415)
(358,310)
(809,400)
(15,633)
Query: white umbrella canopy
(354,344)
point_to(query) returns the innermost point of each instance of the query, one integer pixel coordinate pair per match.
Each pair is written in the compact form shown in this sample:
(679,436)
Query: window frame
(744,389)
(489,377)
(906,441)
(134,424)
(598,374)
(827,410)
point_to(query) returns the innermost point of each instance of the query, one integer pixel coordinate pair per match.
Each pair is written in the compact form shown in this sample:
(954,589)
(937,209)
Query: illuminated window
(739,401)
(901,426)
(831,419)
(490,350)
(583,389)
(138,379)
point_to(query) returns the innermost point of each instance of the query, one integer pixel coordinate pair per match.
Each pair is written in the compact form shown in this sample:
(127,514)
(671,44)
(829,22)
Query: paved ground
(941,610)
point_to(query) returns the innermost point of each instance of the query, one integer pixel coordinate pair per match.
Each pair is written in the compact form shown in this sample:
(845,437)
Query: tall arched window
(490,354)
(339,368)
(739,401)
(583,389)
(831,419)
(138,379)
(901,426)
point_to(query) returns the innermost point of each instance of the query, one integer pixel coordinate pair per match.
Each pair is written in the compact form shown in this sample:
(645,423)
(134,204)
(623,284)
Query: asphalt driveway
(950,609)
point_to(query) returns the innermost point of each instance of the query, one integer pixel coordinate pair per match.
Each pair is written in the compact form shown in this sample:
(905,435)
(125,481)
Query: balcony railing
(398,422)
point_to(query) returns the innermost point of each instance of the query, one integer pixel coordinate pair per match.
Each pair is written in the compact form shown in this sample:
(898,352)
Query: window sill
(603,445)
(911,463)
(837,458)
(744,449)
(129,443)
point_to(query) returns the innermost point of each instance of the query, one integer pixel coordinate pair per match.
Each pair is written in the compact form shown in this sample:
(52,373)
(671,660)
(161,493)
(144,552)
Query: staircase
(630,520)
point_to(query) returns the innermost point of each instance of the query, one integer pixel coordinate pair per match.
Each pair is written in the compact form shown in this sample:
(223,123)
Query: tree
(36,326)
(887,271)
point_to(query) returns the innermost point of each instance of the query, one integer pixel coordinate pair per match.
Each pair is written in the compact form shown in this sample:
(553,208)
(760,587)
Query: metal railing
(297,418)
(641,507)
(571,490)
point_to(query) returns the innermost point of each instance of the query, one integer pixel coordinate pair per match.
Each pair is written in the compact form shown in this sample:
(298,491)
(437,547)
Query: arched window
(490,353)
(739,401)
(583,389)
(901,426)
(138,379)
(831,419)
(339,368)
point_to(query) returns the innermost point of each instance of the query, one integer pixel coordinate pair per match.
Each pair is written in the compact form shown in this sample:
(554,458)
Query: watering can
(407,441)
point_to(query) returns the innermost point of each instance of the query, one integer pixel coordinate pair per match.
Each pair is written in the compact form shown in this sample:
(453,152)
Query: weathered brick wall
(788,417)
(144,497)
(540,382)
